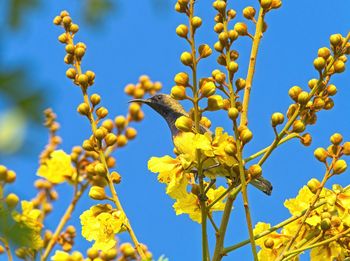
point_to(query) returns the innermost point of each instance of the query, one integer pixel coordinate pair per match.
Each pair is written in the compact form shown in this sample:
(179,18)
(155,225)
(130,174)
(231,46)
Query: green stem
(271,229)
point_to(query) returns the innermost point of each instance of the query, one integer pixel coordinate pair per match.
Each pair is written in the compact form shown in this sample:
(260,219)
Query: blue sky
(139,38)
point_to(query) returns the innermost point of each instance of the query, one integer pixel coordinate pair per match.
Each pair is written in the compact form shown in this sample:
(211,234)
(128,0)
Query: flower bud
(231,149)
(181,79)
(246,135)
(120,122)
(100,133)
(83,80)
(319,63)
(178,92)
(298,126)
(329,104)
(100,169)
(71,73)
(241,28)
(182,30)
(195,189)
(57,20)
(208,89)
(204,50)
(303,97)
(306,139)
(339,66)
(249,12)
(95,99)
(79,52)
(294,92)
(325,224)
(74,28)
(276,119)
(101,112)
(184,124)
(121,141)
(276,4)
(339,166)
(12,200)
(265,4)
(324,52)
(233,67)
(313,184)
(269,243)
(83,108)
(63,38)
(218,27)
(336,139)
(321,154)
(335,39)
(255,171)
(3,172)
(233,113)
(129,89)
(196,22)
(331,89)
(97,193)
(115,177)
(110,139)
(10,177)
(240,84)
(219,5)
(346,148)
(215,102)
(186,58)
(88,146)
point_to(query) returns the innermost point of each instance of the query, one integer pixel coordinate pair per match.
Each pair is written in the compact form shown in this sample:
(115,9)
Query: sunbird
(170,109)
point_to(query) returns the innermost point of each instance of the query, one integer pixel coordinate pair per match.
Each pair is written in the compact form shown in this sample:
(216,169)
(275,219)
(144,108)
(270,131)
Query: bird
(170,110)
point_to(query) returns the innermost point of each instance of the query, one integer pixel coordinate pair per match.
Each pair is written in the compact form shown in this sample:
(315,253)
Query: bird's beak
(146,101)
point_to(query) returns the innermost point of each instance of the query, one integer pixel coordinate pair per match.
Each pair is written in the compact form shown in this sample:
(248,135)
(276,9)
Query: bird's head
(164,104)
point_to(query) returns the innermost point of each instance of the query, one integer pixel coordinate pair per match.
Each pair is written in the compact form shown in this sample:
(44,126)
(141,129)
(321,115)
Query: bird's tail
(262,184)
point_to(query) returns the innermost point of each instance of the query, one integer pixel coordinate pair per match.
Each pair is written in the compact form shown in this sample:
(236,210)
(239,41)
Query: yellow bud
(218,46)
(121,140)
(336,221)
(298,126)
(346,148)
(79,52)
(57,20)
(69,58)
(218,27)
(249,12)
(88,146)
(100,169)
(321,154)
(231,13)
(294,92)
(186,58)
(74,28)
(233,113)
(70,48)
(92,253)
(245,135)
(303,97)
(319,63)
(208,89)
(182,30)
(306,139)
(255,170)
(67,20)
(97,193)
(336,138)
(240,84)
(324,52)
(64,13)
(83,109)
(205,122)
(115,177)
(276,4)
(101,112)
(220,77)
(312,83)
(129,89)
(130,133)
(223,37)
(12,200)
(313,184)
(184,124)
(241,28)
(181,79)
(3,172)
(91,76)
(339,166)
(120,122)
(100,133)
(215,102)
(339,66)
(178,92)
(10,177)
(231,149)
(110,139)
(111,254)
(219,5)
(265,4)
(335,39)
(196,22)
(204,50)
(269,243)
(83,80)
(95,99)
(329,104)
(331,89)
(63,38)
(276,119)
(71,73)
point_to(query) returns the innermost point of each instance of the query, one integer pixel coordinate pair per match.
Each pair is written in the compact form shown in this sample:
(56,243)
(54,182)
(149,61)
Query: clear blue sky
(140,39)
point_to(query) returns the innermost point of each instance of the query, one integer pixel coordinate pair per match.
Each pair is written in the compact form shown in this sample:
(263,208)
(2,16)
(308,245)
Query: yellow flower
(189,204)
(57,168)
(101,224)
(332,251)
(64,256)
(29,215)
(220,141)
(271,244)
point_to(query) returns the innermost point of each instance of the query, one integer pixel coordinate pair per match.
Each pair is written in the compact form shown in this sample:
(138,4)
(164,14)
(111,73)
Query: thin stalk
(251,68)
(7,249)
(271,229)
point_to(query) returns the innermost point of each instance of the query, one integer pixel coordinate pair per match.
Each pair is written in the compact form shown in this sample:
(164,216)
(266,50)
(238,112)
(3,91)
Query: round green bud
(186,58)
(233,113)
(321,154)
(336,138)
(196,22)
(83,108)
(294,92)
(298,126)
(182,30)
(178,92)
(319,63)
(215,102)
(12,200)
(339,66)
(303,97)
(249,12)
(241,28)
(325,224)
(184,124)
(276,119)
(97,193)
(339,166)
(313,184)
(208,89)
